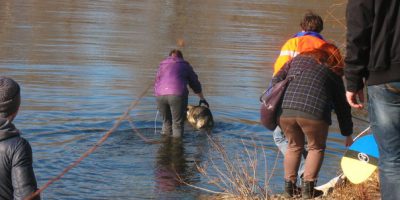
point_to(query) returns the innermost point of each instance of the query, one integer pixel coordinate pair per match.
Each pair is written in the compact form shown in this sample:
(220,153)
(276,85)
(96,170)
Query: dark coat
(17,179)
(373,43)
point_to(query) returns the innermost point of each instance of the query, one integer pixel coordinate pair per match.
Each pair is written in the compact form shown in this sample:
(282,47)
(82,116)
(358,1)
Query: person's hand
(352,99)
(203,101)
(349,141)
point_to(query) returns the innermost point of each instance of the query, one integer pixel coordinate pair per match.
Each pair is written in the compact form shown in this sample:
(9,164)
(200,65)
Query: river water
(81,64)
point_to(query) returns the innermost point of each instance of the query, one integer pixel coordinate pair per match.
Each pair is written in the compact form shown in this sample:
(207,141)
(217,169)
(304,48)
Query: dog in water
(200,117)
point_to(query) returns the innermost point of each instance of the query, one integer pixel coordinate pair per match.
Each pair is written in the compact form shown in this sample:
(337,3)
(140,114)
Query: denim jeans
(173,110)
(282,144)
(384,114)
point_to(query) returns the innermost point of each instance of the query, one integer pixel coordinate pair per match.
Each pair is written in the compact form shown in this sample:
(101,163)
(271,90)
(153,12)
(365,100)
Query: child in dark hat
(17,179)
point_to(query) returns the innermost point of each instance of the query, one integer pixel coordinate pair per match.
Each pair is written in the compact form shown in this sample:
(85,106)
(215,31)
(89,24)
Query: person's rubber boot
(308,191)
(291,190)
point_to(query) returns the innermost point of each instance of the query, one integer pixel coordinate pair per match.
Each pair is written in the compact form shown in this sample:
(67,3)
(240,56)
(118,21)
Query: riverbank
(239,179)
(368,190)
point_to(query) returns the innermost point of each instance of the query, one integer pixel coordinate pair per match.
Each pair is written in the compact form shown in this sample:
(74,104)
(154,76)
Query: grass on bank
(236,175)
(368,190)
(237,178)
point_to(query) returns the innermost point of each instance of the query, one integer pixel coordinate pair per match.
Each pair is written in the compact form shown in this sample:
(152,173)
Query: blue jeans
(282,144)
(384,114)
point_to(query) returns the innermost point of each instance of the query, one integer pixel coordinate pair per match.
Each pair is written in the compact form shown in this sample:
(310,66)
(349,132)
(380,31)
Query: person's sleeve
(342,107)
(288,51)
(281,75)
(194,82)
(359,18)
(22,175)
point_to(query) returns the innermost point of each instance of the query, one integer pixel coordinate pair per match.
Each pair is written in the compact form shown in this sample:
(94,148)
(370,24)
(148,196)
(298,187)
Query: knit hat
(10,98)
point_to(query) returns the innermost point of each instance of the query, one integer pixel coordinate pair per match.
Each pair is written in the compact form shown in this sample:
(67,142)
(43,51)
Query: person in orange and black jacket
(17,179)
(306,40)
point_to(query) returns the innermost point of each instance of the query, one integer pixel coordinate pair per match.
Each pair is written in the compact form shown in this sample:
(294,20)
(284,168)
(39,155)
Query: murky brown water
(82,63)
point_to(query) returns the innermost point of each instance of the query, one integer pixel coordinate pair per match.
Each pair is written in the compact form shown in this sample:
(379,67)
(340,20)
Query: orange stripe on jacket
(297,45)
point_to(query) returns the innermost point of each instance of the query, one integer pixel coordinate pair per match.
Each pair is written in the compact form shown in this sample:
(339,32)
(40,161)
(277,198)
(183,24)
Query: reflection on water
(82,63)
(170,165)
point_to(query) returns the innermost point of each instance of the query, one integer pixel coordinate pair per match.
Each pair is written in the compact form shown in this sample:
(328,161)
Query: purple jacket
(173,76)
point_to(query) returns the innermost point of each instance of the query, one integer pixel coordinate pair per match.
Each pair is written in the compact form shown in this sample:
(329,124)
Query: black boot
(291,189)
(308,191)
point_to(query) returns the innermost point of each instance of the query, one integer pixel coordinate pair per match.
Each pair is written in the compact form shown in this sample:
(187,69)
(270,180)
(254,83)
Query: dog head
(200,117)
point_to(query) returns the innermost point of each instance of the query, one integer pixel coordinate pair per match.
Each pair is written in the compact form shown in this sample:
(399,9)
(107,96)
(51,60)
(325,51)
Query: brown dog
(200,117)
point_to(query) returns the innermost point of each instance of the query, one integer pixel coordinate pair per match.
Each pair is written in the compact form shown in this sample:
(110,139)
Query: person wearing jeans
(384,115)
(373,58)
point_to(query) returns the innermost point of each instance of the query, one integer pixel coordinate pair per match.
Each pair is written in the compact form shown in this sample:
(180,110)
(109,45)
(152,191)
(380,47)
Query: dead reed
(368,190)
(237,179)
(236,176)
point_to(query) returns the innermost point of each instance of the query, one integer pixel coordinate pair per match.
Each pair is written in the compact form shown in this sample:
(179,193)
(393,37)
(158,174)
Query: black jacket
(373,43)
(314,91)
(17,179)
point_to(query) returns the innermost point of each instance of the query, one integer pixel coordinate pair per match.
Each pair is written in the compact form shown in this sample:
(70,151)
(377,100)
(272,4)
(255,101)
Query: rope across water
(125,116)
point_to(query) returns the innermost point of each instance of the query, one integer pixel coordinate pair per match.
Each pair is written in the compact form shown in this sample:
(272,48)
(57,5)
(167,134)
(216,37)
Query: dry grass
(236,176)
(237,179)
(368,190)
